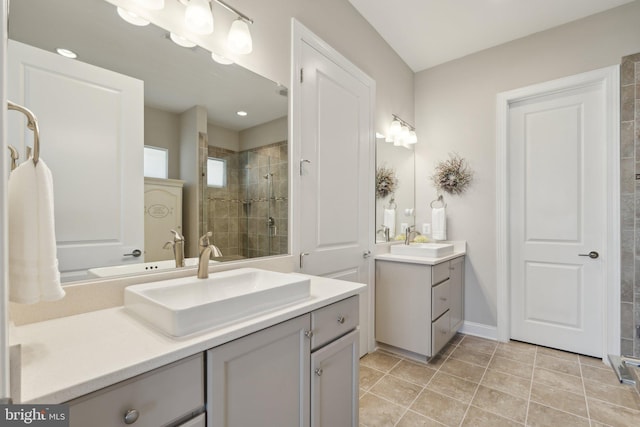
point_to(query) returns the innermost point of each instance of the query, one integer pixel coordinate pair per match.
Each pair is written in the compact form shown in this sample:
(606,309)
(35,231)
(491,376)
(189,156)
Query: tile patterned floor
(476,382)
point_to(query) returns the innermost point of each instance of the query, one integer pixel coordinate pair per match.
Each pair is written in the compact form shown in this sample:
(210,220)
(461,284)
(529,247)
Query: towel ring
(438,200)
(32,123)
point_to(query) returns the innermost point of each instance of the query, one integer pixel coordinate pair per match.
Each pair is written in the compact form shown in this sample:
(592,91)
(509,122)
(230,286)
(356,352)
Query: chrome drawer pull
(308,334)
(341,319)
(318,372)
(131,416)
(443,299)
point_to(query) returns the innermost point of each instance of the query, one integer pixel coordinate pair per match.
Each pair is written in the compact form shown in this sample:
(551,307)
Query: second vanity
(295,365)
(419,301)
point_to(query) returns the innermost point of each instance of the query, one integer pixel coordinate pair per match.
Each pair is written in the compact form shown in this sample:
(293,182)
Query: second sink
(429,250)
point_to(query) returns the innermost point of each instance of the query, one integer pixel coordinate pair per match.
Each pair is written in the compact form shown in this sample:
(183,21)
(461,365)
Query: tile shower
(630,204)
(249,216)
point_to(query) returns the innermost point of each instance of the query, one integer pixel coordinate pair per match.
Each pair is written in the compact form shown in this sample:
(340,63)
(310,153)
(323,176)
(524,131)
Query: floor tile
(559,380)
(592,361)
(516,386)
(544,416)
(613,415)
(380,360)
(453,387)
(463,370)
(438,407)
(617,394)
(509,352)
(396,390)
(571,357)
(469,355)
(604,375)
(557,364)
(510,366)
(501,403)
(437,361)
(478,344)
(369,376)
(413,372)
(476,417)
(413,419)
(560,399)
(377,412)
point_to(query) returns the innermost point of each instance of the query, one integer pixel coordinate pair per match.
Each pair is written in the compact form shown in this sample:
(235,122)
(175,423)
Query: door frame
(299,36)
(608,78)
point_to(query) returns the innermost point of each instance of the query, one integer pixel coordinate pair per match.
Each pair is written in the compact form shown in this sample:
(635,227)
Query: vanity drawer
(333,321)
(160,397)
(440,333)
(440,296)
(440,273)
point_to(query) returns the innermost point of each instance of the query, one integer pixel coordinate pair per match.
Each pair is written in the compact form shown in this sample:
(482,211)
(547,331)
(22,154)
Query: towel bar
(32,123)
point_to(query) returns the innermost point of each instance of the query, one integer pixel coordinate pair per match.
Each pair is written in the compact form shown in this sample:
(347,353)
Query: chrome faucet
(178,248)
(410,231)
(385,232)
(206,250)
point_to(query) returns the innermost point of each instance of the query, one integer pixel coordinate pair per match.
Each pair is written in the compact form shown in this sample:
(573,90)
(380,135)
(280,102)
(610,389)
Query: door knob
(592,254)
(134,253)
(366,254)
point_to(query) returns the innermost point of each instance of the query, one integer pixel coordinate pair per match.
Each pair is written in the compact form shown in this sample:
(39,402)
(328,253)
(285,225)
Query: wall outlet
(426,228)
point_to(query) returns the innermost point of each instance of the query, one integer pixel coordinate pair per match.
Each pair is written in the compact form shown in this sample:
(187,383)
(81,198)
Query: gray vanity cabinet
(171,395)
(419,307)
(261,379)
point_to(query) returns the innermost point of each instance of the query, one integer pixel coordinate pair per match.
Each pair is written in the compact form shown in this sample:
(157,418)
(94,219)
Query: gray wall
(455,112)
(162,129)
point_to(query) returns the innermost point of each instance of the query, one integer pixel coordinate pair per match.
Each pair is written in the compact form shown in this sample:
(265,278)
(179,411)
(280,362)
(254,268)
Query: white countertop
(71,356)
(459,249)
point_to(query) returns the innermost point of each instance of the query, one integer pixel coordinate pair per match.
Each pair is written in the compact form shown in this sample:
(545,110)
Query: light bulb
(181,41)
(198,17)
(413,138)
(394,128)
(132,18)
(239,37)
(404,134)
(151,4)
(220,59)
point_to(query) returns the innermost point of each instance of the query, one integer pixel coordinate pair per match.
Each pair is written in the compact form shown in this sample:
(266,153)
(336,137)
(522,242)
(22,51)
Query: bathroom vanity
(419,302)
(294,365)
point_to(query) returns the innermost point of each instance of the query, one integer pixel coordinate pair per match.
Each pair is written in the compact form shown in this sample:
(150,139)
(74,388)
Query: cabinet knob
(341,319)
(318,372)
(131,416)
(308,333)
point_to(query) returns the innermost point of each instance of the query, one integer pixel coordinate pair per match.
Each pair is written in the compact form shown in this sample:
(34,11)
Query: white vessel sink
(183,306)
(141,267)
(428,250)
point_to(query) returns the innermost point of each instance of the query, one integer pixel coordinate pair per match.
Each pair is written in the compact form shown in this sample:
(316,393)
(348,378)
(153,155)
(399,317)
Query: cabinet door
(457,294)
(261,379)
(334,383)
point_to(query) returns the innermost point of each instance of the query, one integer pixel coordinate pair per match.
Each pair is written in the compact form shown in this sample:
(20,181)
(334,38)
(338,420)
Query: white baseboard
(480,330)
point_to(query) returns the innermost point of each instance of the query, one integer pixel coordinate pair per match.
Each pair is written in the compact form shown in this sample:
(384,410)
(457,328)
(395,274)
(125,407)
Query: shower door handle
(302,162)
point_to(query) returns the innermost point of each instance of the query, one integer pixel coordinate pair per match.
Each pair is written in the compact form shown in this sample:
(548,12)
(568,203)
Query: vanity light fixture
(67,53)
(181,41)
(132,18)
(239,37)
(401,133)
(198,17)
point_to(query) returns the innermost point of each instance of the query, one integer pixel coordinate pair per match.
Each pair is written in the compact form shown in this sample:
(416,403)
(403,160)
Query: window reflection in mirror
(183,88)
(390,210)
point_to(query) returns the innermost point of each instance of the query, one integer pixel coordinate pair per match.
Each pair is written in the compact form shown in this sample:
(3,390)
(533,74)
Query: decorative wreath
(386,182)
(452,176)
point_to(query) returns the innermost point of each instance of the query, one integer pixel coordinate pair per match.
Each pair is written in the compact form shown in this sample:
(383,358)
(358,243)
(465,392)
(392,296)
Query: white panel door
(91,125)
(336,169)
(557,174)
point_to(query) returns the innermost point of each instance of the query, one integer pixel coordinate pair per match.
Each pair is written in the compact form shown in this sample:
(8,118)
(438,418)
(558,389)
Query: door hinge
(301,75)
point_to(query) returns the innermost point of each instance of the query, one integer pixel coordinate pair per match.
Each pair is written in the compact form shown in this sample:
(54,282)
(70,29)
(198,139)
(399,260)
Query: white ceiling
(426,33)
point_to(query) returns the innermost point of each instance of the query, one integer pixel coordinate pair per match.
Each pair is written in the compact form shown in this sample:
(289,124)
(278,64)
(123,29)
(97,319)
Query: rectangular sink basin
(187,305)
(428,250)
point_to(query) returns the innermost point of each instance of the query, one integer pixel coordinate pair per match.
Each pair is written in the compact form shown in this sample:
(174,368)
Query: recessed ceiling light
(221,59)
(66,53)
(132,18)
(181,41)
(241,113)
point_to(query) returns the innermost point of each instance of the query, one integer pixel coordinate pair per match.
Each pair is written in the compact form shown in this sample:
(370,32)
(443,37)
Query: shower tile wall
(257,188)
(630,203)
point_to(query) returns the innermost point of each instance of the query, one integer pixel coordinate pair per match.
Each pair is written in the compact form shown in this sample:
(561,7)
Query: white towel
(439,224)
(33,264)
(389,220)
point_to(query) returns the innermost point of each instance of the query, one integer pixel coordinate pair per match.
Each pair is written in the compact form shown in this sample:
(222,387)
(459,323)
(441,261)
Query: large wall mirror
(132,87)
(394,209)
